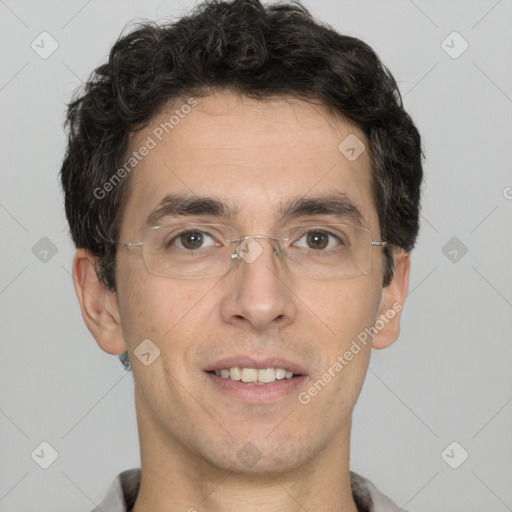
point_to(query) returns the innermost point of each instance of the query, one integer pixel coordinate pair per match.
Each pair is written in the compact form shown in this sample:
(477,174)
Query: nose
(258,288)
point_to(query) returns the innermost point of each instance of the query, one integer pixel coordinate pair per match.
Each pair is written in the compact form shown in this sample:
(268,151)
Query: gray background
(447,378)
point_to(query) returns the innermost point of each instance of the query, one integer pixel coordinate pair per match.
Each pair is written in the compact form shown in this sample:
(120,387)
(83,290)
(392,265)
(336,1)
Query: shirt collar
(124,489)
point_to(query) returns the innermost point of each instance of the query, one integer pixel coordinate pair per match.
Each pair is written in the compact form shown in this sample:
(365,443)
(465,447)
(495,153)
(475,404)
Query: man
(243,190)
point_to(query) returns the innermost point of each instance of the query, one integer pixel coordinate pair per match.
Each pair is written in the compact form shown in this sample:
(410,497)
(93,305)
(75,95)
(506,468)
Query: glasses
(201,250)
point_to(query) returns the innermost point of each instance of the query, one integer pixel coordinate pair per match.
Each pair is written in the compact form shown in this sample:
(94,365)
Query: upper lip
(256,362)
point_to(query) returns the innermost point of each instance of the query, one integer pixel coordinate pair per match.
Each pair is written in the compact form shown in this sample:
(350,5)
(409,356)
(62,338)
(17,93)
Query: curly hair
(254,50)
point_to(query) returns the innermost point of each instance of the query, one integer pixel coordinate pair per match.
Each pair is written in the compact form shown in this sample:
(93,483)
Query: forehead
(254,156)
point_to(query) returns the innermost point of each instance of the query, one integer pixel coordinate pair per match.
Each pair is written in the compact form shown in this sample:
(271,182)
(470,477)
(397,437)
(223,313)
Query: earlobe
(393,297)
(99,306)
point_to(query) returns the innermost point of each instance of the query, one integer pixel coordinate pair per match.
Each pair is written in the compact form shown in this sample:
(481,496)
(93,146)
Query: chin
(261,456)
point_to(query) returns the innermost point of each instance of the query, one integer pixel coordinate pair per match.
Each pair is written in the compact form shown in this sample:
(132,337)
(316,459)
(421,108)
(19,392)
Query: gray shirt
(123,492)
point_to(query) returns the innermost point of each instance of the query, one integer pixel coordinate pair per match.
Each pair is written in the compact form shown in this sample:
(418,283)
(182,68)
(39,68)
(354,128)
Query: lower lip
(257,394)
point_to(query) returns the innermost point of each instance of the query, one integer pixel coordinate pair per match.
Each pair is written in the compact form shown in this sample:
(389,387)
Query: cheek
(157,308)
(136,306)
(345,307)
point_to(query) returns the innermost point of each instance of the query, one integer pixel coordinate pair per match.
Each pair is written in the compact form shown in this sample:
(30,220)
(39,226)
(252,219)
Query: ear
(392,300)
(99,306)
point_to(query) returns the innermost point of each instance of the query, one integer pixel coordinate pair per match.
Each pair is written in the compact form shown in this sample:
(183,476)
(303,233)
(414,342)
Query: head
(249,106)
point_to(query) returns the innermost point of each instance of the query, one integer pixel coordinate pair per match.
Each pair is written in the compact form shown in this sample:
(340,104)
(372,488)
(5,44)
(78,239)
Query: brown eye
(317,239)
(320,240)
(191,240)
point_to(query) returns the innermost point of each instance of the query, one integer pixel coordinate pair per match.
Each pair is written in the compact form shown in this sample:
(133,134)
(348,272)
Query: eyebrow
(336,204)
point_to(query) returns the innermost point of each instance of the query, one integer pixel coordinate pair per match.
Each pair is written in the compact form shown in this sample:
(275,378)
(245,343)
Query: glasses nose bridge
(275,241)
(244,250)
(246,237)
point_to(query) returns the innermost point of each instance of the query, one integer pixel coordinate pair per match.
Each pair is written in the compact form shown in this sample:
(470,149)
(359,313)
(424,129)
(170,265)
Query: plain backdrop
(441,393)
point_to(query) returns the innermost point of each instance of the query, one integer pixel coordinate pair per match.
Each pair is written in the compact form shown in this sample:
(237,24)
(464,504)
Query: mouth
(251,369)
(258,376)
(254,380)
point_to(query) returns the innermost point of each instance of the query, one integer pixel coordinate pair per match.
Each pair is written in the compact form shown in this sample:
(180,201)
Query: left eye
(319,240)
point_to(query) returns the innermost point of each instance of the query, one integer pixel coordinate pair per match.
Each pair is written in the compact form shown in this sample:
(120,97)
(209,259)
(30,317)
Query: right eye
(190,240)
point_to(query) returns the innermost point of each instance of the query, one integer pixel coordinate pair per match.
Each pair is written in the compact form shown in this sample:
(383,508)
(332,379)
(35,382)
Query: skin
(254,155)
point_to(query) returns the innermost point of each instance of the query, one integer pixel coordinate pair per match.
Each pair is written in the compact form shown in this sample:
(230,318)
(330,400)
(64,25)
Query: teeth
(235,373)
(266,375)
(280,373)
(249,375)
(253,375)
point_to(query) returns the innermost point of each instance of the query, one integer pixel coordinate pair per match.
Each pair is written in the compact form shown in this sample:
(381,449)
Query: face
(255,157)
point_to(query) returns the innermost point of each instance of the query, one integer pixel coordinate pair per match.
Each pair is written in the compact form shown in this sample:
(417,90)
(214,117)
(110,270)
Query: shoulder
(122,493)
(368,498)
